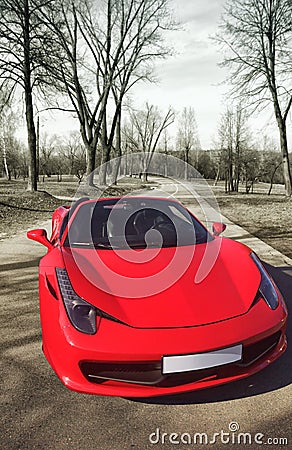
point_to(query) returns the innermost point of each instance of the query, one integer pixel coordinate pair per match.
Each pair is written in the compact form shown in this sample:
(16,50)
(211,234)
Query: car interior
(133,223)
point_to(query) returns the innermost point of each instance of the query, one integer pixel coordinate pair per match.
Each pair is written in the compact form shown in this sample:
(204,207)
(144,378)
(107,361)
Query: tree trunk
(7,171)
(237,170)
(186,163)
(90,163)
(118,148)
(166,165)
(31,132)
(284,147)
(285,158)
(105,160)
(32,168)
(230,173)
(143,173)
(217,175)
(144,177)
(272,178)
(230,178)
(38,149)
(226,182)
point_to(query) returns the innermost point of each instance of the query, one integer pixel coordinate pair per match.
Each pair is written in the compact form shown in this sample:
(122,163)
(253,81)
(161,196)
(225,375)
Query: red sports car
(138,298)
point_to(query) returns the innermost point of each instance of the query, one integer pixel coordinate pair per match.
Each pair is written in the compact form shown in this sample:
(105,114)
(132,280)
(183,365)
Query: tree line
(237,157)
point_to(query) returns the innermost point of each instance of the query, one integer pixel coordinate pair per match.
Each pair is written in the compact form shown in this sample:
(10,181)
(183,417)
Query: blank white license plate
(197,361)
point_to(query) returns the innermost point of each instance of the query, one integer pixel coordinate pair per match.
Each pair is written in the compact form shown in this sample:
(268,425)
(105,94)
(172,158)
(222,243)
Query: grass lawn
(20,209)
(267,217)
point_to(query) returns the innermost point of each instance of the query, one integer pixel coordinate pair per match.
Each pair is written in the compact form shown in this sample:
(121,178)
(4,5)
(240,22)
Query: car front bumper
(123,361)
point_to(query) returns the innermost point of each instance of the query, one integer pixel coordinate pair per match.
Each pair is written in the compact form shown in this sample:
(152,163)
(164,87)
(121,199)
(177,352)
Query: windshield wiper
(102,245)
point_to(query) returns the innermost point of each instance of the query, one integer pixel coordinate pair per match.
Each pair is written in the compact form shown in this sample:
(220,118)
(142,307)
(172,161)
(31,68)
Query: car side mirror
(218,228)
(40,235)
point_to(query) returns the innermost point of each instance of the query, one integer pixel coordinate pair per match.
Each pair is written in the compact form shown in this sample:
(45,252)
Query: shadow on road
(20,265)
(276,376)
(23,208)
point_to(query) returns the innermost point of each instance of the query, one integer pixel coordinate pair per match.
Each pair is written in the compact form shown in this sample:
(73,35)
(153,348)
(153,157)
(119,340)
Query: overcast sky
(190,77)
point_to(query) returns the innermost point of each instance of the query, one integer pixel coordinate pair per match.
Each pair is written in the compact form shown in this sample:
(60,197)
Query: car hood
(170,287)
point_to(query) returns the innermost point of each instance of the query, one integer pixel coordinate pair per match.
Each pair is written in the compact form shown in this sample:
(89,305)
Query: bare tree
(9,146)
(226,145)
(241,141)
(49,147)
(106,46)
(271,162)
(7,130)
(256,36)
(250,162)
(233,140)
(73,153)
(188,136)
(145,131)
(24,56)
(13,159)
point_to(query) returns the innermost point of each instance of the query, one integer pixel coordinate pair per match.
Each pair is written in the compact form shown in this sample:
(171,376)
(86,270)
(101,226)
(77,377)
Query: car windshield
(134,223)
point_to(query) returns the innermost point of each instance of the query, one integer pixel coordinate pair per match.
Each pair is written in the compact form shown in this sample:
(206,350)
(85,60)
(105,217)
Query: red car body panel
(183,304)
(57,219)
(186,318)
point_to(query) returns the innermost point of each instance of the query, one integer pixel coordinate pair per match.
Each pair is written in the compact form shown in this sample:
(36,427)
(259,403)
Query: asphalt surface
(37,412)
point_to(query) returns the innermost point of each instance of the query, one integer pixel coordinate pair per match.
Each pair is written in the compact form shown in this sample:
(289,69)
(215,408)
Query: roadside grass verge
(267,217)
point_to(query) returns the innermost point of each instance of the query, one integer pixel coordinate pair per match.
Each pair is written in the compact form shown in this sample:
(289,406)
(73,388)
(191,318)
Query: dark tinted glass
(134,223)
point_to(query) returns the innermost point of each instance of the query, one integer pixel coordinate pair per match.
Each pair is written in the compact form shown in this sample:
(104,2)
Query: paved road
(37,412)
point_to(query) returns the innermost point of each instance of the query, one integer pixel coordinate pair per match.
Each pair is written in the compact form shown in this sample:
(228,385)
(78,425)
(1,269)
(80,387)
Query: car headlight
(82,315)
(267,288)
